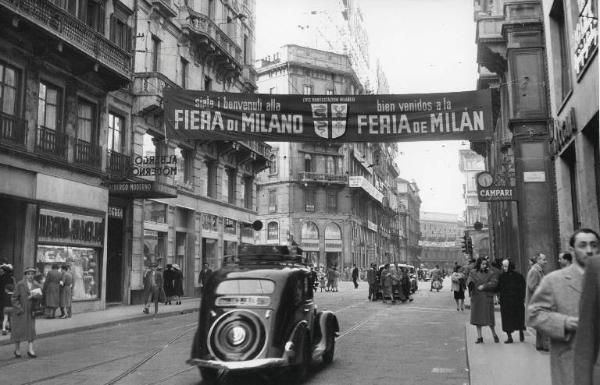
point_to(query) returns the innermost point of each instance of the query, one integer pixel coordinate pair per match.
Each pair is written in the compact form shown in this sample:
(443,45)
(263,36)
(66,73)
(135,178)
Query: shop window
(309,200)
(273,231)
(49,106)
(9,80)
(116,125)
(155,211)
(248,196)
(229,226)
(246,230)
(331,201)
(273,164)
(156,43)
(272,201)
(560,42)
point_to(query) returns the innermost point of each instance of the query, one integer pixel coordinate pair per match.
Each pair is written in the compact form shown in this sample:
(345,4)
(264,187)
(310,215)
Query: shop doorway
(12,223)
(209,252)
(114,262)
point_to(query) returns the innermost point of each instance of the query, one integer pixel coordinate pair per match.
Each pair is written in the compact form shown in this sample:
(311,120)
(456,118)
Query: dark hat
(32,269)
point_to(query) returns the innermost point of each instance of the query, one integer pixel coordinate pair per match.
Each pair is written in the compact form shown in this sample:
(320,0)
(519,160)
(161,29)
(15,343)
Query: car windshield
(246,286)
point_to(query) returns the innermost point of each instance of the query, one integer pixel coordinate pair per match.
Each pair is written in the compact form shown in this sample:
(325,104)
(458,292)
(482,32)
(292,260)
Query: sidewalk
(501,364)
(110,316)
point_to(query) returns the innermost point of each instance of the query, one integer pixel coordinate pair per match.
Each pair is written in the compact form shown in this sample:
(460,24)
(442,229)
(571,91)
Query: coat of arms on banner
(329,125)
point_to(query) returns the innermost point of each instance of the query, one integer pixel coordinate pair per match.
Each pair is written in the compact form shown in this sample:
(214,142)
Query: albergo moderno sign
(207,115)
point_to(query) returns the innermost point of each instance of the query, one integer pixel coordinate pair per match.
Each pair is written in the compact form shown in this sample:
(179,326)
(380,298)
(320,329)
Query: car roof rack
(278,255)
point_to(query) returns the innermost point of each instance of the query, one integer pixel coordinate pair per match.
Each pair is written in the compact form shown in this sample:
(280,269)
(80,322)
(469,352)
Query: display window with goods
(84,263)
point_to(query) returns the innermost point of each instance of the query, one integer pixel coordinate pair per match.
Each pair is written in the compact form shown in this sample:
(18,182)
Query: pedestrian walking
(587,339)
(405,285)
(372,281)
(483,281)
(554,307)
(66,292)
(436,279)
(565,259)
(511,294)
(23,321)
(386,282)
(458,287)
(7,286)
(534,277)
(322,281)
(169,283)
(177,283)
(153,288)
(355,276)
(203,276)
(51,290)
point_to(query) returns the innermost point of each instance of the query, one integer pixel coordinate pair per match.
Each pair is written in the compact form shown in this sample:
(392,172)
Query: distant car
(396,289)
(257,312)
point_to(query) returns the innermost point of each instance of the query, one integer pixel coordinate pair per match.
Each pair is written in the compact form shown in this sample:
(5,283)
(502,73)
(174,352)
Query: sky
(423,46)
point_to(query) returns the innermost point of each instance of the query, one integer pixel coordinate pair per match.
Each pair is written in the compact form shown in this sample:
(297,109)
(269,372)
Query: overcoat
(534,277)
(66,291)
(178,282)
(386,283)
(169,277)
(22,321)
(587,340)
(482,301)
(52,288)
(556,298)
(5,279)
(158,293)
(511,294)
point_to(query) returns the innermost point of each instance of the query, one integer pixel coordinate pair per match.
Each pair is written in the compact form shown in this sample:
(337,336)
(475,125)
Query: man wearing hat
(66,292)
(372,280)
(153,287)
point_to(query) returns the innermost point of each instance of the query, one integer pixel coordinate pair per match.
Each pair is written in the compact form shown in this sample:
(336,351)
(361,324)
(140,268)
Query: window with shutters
(92,13)
(120,32)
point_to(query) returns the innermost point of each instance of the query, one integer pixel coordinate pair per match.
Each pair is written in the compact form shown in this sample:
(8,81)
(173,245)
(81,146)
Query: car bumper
(239,365)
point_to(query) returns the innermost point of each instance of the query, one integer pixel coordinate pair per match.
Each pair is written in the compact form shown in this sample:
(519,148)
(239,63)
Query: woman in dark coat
(177,283)
(483,281)
(169,276)
(22,319)
(511,292)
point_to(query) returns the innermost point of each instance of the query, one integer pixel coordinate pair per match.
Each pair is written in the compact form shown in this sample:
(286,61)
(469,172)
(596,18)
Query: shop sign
(307,245)
(563,131)
(585,35)
(534,176)
(69,228)
(115,212)
(208,115)
(372,226)
(154,165)
(362,182)
(490,190)
(146,189)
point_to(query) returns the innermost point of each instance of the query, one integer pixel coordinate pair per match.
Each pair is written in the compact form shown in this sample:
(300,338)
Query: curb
(467,354)
(106,324)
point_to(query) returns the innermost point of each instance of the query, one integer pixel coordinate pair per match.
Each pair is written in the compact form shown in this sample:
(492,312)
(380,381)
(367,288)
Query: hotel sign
(208,115)
(362,182)
(585,35)
(145,189)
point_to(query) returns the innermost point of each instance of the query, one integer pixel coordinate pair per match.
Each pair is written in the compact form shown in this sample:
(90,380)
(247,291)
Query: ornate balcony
(164,7)
(313,177)
(87,154)
(73,37)
(13,131)
(214,45)
(118,165)
(50,142)
(249,76)
(148,88)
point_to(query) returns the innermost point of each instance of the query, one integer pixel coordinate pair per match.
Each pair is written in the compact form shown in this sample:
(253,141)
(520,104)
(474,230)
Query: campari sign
(206,115)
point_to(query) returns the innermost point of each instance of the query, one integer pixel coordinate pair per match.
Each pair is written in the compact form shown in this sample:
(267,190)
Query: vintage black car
(257,312)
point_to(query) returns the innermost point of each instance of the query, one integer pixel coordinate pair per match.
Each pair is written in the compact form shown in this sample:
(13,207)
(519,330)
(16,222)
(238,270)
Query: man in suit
(554,307)
(66,292)
(587,341)
(153,286)
(372,280)
(534,277)
(355,276)
(51,291)
(203,276)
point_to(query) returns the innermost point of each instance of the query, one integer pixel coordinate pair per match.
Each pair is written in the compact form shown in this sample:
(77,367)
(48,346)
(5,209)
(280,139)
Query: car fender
(328,325)
(289,352)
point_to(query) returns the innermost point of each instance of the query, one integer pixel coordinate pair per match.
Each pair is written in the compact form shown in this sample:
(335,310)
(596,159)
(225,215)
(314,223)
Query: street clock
(485,179)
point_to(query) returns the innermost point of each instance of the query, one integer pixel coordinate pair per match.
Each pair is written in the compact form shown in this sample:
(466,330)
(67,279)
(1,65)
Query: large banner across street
(207,115)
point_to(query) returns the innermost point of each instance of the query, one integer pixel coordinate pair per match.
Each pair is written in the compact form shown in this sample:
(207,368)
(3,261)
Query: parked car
(257,312)
(412,274)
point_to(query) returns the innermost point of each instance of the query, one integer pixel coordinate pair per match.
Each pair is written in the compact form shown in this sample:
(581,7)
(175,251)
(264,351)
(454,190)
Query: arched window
(332,231)
(310,231)
(273,166)
(273,231)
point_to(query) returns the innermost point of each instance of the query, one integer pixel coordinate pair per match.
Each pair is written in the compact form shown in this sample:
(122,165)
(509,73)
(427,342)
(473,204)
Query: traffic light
(470,246)
(464,244)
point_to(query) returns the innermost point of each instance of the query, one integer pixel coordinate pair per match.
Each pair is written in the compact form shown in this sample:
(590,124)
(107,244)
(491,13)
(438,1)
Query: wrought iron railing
(260,148)
(118,164)
(51,142)
(12,129)
(202,24)
(87,153)
(305,176)
(72,30)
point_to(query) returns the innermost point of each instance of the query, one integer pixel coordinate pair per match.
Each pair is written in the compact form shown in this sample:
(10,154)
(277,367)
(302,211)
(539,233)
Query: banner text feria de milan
(206,115)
